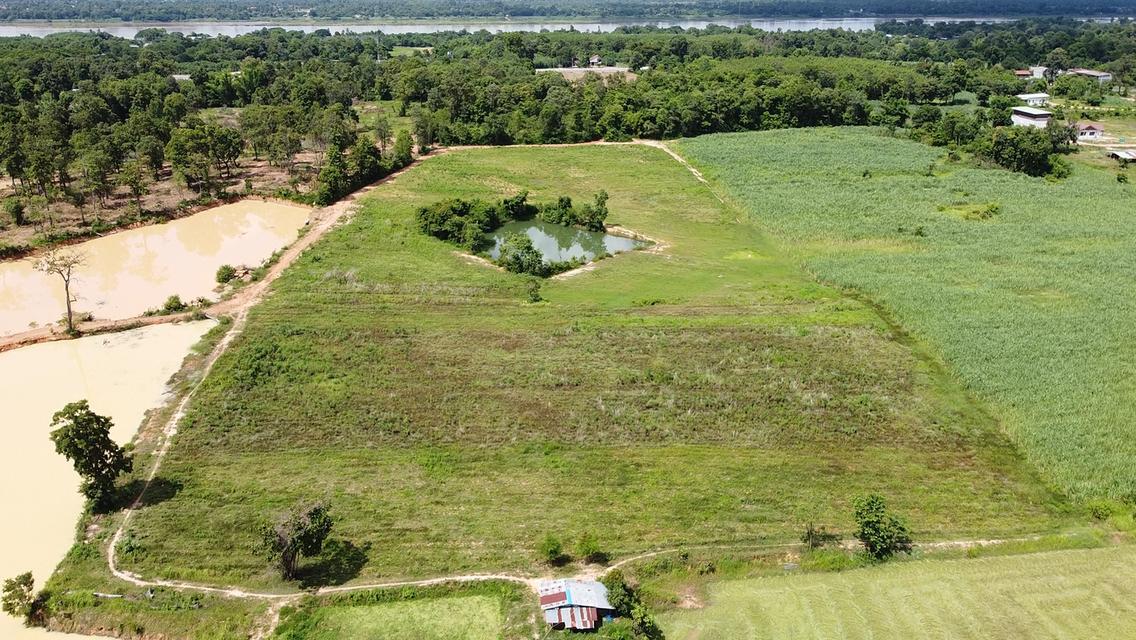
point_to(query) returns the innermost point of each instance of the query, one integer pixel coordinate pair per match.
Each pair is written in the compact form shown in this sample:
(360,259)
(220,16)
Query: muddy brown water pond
(122,375)
(558,243)
(129,272)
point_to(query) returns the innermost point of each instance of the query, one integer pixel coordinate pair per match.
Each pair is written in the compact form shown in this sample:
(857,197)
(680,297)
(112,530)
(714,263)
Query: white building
(1089,132)
(1038,73)
(1034,99)
(1030,117)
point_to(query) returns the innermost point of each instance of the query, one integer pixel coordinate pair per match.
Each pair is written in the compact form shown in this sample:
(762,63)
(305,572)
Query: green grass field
(1071,595)
(1032,309)
(712,392)
(475,611)
(462,618)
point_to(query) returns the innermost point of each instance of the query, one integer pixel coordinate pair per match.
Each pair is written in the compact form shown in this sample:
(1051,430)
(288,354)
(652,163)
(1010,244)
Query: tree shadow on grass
(159,491)
(339,562)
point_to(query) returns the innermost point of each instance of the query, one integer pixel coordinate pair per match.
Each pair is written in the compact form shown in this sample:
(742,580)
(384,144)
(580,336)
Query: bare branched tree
(63,264)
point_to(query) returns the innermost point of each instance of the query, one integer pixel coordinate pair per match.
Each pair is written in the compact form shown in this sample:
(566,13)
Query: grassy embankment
(1062,594)
(710,393)
(1032,307)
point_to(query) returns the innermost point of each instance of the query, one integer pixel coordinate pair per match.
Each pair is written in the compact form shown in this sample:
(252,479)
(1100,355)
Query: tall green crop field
(1025,288)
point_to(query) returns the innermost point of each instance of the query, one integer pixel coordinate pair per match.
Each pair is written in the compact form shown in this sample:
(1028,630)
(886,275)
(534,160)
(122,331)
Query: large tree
(18,596)
(301,532)
(83,437)
(63,264)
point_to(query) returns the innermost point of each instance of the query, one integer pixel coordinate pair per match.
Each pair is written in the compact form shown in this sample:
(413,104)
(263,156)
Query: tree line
(84,114)
(128,10)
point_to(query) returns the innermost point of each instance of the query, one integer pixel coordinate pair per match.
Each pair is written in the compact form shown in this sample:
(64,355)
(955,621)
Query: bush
(882,533)
(174,304)
(15,209)
(621,629)
(588,549)
(520,256)
(225,273)
(551,550)
(533,291)
(1100,509)
(591,217)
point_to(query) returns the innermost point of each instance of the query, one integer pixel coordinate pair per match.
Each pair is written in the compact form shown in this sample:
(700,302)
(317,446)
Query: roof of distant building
(572,593)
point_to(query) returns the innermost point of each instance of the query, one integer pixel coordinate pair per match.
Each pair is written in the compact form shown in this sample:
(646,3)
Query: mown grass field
(712,392)
(1033,308)
(475,611)
(1072,595)
(461,618)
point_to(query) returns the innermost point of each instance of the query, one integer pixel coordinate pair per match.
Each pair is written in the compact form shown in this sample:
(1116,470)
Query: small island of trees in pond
(470,225)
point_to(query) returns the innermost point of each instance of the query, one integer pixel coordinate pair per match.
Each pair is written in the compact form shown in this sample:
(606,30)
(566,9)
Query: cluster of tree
(461,222)
(349,169)
(84,114)
(218,9)
(1057,43)
(986,134)
(469,223)
(488,102)
(589,216)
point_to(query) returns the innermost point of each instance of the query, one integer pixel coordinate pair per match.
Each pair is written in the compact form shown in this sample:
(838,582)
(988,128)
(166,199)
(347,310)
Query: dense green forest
(83,113)
(171,10)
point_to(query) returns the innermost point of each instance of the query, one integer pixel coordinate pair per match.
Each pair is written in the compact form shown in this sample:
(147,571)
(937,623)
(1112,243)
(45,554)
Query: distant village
(1031,114)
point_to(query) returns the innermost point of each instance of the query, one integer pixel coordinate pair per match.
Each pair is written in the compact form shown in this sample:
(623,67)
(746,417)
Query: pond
(558,243)
(122,375)
(126,273)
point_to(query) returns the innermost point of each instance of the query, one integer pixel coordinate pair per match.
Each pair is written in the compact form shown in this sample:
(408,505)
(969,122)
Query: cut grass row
(712,392)
(1032,309)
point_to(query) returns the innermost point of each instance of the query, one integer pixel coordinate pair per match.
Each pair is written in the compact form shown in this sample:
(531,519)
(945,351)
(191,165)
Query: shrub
(15,209)
(520,256)
(1100,509)
(533,291)
(1122,178)
(882,533)
(225,273)
(174,304)
(551,550)
(617,630)
(588,549)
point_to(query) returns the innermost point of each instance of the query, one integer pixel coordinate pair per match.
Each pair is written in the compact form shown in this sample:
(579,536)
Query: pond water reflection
(558,243)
